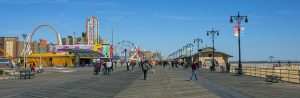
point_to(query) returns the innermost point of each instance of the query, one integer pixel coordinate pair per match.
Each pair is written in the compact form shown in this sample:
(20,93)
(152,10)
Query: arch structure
(120,49)
(92,31)
(28,50)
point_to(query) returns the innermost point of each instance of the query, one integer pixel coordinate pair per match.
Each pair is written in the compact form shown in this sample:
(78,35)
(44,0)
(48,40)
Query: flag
(43,42)
(111,50)
(106,51)
(138,51)
(242,29)
(236,31)
(101,50)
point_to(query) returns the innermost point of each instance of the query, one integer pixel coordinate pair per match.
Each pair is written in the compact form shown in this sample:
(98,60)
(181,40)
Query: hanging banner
(106,50)
(138,51)
(242,29)
(236,31)
(101,50)
(111,50)
(43,42)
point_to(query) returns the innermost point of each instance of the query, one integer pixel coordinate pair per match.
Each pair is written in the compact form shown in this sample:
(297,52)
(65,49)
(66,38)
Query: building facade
(9,45)
(206,56)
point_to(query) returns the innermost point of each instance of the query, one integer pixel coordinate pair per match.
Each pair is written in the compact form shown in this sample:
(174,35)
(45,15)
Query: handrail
(287,74)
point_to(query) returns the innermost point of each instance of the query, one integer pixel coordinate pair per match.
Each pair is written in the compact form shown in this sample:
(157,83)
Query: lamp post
(125,55)
(198,40)
(24,35)
(238,20)
(189,47)
(213,33)
(40,56)
(271,58)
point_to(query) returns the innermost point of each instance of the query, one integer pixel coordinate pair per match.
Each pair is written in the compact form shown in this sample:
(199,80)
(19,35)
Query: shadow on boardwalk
(253,86)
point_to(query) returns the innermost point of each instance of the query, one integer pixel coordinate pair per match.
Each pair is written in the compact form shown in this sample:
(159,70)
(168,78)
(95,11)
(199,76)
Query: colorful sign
(107,50)
(43,42)
(111,50)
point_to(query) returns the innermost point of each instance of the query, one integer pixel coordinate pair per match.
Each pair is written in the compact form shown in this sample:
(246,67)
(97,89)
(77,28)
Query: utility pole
(112,35)
(74,37)
(25,51)
(238,20)
(213,33)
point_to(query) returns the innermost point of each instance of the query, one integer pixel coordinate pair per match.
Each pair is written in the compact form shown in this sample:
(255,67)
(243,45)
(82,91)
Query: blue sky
(165,25)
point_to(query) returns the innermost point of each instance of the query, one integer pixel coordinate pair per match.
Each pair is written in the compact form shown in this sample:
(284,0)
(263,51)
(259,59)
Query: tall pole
(125,55)
(213,33)
(24,52)
(74,37)
(40,55)
(239,19)
(112,36)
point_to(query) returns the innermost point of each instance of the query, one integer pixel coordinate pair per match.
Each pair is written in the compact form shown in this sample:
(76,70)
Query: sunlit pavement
(251,86)
(165,83)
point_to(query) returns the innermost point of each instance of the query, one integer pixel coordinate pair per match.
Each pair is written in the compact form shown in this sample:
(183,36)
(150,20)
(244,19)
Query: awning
(85,53)
(4,60)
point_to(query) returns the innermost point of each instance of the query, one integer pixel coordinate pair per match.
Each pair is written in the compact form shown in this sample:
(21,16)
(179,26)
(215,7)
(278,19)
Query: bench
(273,78)
(26,74)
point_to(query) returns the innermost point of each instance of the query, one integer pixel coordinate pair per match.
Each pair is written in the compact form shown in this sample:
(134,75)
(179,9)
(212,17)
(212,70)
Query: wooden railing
(289,75)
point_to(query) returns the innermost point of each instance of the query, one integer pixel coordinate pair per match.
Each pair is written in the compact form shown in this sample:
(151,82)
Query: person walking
(145,68)
(128,64)
(104,68)
(176,64)
(132,66)
(228,67)
(164,64)
(200,65)
(194,68)
(112,66)
(108,65)
(96,68)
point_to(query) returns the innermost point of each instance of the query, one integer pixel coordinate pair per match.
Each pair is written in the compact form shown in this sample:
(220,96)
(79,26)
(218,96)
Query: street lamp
(180,52)
(125,55)
(271,57)
(238,20)
(213,33)
(198,40)
(24,35)
(190,47)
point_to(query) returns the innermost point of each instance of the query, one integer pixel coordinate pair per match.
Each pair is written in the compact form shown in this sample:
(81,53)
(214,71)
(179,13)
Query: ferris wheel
(125,49)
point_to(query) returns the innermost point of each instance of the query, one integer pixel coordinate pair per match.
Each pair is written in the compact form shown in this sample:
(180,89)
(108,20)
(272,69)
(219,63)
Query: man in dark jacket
(96,68)
(145,68)
(194,68)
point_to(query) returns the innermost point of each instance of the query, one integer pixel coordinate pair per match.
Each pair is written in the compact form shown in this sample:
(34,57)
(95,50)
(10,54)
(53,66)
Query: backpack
(145,66)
